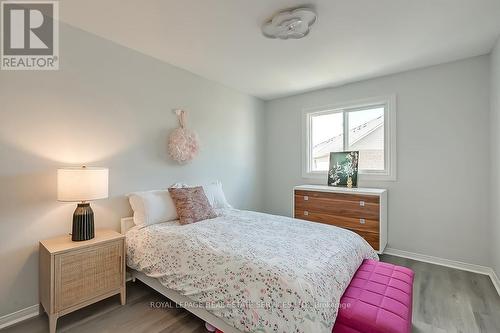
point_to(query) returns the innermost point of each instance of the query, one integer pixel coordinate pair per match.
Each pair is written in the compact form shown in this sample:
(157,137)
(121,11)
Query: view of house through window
(327,134)
(364,131)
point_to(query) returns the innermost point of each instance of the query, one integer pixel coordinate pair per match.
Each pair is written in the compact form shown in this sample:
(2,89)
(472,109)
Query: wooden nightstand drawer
(85,274)
(77,274)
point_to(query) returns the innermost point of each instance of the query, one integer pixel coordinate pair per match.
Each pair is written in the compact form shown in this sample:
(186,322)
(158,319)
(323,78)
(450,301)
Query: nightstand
(76,274)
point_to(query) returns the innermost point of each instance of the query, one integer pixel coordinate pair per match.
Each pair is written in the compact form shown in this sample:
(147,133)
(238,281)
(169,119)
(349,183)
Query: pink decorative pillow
(192,204)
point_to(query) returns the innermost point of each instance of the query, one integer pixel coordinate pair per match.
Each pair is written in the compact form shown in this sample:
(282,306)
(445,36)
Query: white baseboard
(439,261)
(18,316)
(495,280)
(448,263)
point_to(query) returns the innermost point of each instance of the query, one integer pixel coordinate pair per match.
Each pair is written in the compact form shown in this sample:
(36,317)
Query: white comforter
(257,272)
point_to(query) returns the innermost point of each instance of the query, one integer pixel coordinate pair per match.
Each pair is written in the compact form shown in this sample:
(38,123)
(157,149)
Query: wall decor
(343,170)
(183,145)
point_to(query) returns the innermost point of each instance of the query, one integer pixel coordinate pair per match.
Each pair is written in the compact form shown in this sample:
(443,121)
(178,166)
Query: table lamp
(82,184)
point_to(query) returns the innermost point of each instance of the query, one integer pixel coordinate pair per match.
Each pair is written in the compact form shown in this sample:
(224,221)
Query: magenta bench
(378,300)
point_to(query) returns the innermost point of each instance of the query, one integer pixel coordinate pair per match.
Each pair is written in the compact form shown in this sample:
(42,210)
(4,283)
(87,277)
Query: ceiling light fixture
(287,24)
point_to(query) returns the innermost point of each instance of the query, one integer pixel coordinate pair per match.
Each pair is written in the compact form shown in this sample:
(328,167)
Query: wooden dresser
(362,210)
(76,274)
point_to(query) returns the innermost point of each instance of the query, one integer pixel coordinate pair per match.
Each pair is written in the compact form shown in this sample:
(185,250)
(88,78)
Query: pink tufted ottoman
(378,300)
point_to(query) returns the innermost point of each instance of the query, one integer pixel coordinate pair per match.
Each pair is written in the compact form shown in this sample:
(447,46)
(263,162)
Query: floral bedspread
(257,272)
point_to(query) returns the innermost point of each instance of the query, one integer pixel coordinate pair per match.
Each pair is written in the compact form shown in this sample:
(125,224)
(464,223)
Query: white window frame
(389,174)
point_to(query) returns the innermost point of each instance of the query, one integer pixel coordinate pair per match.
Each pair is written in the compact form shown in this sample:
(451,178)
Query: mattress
(257,272)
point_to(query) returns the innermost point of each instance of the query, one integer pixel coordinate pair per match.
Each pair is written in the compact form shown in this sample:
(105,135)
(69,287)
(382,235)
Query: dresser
(362,210)
(76,274)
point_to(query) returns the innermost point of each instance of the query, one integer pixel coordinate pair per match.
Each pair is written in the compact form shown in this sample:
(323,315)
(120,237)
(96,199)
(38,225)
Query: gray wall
(495,156)
(439,204)
(109,106)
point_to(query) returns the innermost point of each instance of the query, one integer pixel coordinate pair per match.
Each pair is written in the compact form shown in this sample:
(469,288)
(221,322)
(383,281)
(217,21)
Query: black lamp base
(83,223)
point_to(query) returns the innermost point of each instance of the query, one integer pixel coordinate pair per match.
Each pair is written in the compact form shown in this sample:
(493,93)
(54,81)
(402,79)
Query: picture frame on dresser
(361,210)
(343,169)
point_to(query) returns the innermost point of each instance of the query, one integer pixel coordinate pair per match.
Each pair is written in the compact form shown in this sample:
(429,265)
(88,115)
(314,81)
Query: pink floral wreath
(183,143)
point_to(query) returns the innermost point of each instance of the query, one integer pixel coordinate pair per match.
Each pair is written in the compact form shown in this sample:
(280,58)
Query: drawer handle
(306,198)
(306,213)
(362,221)
(362,203)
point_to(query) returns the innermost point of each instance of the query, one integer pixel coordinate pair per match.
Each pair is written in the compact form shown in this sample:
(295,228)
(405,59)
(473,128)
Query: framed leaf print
(343,170)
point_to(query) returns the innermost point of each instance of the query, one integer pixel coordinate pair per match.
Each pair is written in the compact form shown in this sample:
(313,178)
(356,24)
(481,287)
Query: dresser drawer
(340,196)
(87,273)
(338,204)
(372,238)
(360,224)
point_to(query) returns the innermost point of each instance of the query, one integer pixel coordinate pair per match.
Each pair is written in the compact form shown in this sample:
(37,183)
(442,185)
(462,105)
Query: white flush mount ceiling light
(290,24)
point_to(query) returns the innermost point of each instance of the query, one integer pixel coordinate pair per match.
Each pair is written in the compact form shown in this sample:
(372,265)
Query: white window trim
(389,174)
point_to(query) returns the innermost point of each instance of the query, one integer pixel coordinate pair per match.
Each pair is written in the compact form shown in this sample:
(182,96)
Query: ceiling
(352,39)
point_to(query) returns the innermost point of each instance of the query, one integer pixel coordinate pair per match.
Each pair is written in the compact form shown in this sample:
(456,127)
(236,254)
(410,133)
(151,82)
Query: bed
(249,272)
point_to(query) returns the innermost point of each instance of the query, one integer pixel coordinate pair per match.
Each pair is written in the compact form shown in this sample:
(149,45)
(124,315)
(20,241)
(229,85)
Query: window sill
(361,176)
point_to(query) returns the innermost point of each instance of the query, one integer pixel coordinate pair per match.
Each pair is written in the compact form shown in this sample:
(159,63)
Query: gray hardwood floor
(451,300)
(445,300)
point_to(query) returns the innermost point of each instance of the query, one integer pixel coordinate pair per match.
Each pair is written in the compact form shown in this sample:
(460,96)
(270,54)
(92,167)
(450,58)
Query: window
(367,126)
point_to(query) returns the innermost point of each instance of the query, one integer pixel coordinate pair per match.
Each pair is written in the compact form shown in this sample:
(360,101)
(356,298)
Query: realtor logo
(30,35)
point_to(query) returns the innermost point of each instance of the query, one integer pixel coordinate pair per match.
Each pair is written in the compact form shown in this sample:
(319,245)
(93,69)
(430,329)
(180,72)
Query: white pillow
(151,207)
(215,195)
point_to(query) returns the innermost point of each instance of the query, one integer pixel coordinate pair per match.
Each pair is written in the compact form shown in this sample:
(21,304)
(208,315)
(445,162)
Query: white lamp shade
(82,184)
